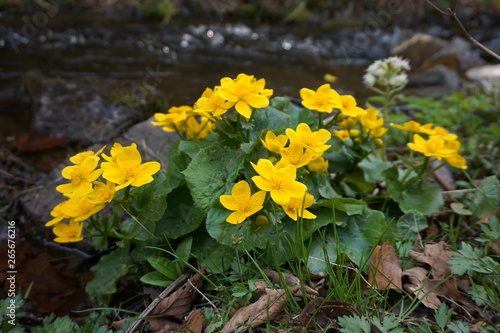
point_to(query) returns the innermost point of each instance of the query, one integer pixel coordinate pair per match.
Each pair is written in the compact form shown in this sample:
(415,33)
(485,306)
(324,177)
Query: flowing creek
(178,60)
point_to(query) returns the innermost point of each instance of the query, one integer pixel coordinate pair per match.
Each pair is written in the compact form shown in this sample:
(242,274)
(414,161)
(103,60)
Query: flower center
(278,181)
(78,176)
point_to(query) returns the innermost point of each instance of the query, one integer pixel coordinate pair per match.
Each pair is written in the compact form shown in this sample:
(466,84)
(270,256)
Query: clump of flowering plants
(251,171)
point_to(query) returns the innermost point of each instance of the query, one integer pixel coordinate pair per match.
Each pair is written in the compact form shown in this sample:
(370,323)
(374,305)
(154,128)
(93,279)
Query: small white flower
(380,72)
(369,80)
(398,63)
(398,80)
(387,72)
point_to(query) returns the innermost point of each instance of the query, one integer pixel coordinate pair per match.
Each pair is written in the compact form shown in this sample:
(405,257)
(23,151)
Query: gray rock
(88,109)
(418,48)
(487,77)
(425,51)
(439,75)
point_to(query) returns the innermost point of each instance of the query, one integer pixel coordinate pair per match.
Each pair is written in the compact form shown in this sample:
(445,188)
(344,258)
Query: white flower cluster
(389,72)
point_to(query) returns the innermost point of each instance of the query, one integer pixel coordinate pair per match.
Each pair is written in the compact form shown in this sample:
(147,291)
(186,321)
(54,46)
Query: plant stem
(330,123)
(421,174)
(320,120)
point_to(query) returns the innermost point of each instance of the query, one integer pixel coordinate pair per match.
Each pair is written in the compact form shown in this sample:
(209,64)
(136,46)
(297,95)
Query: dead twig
(453,15)
(157,300)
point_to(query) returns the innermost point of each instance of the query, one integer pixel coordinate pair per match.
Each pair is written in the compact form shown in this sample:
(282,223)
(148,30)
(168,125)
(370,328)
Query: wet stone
(88,108)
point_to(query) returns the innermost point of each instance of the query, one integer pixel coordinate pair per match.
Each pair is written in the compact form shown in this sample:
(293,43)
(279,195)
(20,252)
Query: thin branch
(453,14)
(472,39)
(157,300)
(436,8)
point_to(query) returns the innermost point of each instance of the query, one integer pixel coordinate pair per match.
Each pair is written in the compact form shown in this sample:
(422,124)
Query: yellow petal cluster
(433,147)
(350,107)
(315,141)
(66,233)
(196,123)
(212,103)
(274,143)
(124,167)
(245,92)
(242,202)
(81,175)
(296,207)
(440,144)
(318,165)
(324,99)
(296,155)
(87,195)
(281,183)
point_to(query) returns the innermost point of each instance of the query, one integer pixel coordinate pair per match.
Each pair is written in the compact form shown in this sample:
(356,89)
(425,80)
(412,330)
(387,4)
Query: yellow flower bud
(261,220)
(379,143)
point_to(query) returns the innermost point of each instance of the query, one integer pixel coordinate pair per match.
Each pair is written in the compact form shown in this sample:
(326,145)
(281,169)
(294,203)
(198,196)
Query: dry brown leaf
(486,217)
(290,280)
(118,324)
(324,313)
(495,247)
(193,323)
(178,304)
(309,311)
(385,270)
(162,325)
(437,257)
(270,306)
(420,286)
(428,290)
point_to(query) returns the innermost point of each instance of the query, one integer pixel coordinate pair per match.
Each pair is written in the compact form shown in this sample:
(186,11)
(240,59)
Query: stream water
(179,59)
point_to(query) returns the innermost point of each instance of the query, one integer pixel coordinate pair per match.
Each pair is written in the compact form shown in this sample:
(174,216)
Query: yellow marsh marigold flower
(427,128)
(242,202)
(456,161)
(371,119)
(453,144)
(174,119)
(350,106)
(258,85)
(198,130)
(296,207)
(308,139)
(81,175)
(342,134)
(296,155)
(244,93)
(124,168)
(325,99)
(115,149)
(211,102)
(67,233)
(274,143)
(442,132)
(318,165)
(280,183)
(80,157)
(348,123)
(410,126)
(80,209)
(58,213)
(433,147)
(102,193)
(76,208)
(378,132)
